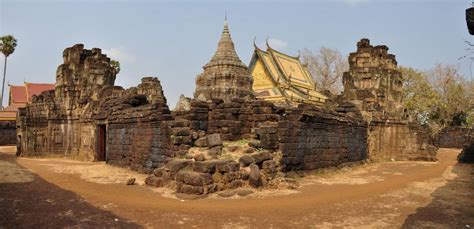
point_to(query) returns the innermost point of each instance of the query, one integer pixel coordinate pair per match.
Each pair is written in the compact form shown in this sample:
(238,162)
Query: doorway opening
(101,143)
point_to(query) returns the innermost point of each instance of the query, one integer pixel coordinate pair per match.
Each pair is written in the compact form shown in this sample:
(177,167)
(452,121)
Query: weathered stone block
(176,165)
(269,167)
(189,189)
(204,166)
(201,142)
(227,166)
(214,140)
(262,156)
(194,178)
(231,176)
(255,179)
(235,184)
(155,181)
(246,160)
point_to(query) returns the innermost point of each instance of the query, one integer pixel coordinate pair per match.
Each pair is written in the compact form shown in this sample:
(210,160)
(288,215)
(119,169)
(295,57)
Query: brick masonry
(454,137)
(7,133)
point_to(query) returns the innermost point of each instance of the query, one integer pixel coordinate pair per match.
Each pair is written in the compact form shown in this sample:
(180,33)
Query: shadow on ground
(40,204)
(452,205)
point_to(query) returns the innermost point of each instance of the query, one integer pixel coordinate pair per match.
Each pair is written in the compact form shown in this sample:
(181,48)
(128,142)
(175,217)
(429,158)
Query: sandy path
(382,195)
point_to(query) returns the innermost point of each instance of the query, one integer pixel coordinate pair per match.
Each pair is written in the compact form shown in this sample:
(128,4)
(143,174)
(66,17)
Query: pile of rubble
(217,166)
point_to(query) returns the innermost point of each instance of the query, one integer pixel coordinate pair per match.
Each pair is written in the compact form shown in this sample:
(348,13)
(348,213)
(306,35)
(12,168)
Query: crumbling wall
(308,137)
(232,120)
(140,146)
(373,82)
(399,141)
(37,137)
(57,122)
(373,89)
(240,118)
(312,138)
(137,134)
(454,137)
(7,133)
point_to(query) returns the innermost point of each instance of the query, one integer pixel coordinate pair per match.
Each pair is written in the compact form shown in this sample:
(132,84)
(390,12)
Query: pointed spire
(225,49)
(226,31)
(225,76)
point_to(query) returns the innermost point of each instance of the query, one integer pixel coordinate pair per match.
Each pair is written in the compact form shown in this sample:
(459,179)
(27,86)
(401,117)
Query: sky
(172,40)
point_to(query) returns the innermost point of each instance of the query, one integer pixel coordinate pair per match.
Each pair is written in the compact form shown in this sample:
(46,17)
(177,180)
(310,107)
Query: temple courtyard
(57,192)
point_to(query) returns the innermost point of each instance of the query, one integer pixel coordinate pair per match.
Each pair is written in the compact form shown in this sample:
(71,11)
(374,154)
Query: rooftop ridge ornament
(268,44)
(254,42)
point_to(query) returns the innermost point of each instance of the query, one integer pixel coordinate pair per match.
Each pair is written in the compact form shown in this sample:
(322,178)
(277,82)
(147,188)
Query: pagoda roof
(290,77)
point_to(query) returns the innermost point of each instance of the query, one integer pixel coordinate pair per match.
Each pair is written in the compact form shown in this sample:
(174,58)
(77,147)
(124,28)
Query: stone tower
(373,82)
(225,76)
(82,75)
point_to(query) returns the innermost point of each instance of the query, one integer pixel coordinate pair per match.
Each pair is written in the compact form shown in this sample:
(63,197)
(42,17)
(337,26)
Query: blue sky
(172,40)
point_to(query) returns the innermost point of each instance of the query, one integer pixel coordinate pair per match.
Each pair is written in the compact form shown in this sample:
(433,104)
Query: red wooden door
(101,144)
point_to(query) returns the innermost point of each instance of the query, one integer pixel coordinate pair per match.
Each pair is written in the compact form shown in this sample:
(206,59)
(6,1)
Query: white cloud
(277,44)
(274,43)
(119,54)
(355,2)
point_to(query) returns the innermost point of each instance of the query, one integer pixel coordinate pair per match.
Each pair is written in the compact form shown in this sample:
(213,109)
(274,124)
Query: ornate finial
(226,25)
(225,19)
(268,45)
(254,42)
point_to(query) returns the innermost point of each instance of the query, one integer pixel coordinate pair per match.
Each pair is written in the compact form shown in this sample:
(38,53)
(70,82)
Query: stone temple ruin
(224,138)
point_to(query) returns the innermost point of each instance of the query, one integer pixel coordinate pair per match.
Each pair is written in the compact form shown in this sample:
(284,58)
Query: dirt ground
(52,193)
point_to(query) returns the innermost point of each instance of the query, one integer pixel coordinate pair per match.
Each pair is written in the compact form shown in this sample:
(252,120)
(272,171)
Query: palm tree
(7,47)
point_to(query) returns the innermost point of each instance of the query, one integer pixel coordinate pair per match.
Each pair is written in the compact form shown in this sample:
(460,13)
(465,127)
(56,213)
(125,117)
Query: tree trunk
(3,84)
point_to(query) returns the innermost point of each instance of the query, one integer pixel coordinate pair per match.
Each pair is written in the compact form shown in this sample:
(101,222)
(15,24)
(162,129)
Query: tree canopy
(326,66)
(115,65)
(7,45)
(439,97)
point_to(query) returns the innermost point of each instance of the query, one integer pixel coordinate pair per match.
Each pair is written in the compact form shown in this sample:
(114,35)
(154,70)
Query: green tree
(115,65)
(419,97)
(438,97)
(7,47)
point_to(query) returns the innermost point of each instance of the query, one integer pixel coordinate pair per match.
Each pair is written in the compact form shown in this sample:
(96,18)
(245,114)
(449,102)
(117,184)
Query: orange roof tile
(36,89)
(18,94)
(24,94)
